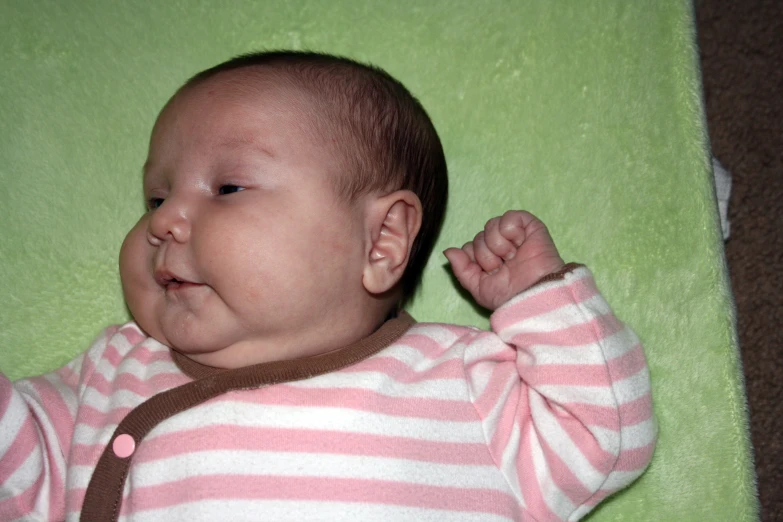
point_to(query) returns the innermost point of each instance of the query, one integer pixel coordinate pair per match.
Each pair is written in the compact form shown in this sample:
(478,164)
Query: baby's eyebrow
(241,142)
(232,143)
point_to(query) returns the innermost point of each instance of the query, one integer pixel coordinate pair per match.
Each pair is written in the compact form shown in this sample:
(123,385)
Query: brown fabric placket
(559,275)
(103,498)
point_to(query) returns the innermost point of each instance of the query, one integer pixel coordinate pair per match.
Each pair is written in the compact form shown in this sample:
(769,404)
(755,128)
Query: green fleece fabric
(588,114)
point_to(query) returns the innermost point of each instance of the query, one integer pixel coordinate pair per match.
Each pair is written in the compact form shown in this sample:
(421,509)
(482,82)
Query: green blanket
(588,114)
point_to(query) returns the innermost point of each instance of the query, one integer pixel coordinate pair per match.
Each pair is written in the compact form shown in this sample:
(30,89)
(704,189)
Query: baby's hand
(512,253)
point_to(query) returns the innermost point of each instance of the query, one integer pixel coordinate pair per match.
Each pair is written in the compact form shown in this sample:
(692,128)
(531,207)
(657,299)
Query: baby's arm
(36,426)
(33,445)
(569,421)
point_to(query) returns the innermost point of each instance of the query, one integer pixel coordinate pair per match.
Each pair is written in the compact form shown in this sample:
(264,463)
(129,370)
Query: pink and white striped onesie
(539,419)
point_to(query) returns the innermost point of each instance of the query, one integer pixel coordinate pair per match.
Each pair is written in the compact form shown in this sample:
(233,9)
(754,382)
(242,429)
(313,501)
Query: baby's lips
(165,277)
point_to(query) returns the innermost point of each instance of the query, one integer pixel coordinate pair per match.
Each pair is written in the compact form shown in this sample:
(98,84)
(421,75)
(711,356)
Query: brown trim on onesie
(103,498)
(559,275)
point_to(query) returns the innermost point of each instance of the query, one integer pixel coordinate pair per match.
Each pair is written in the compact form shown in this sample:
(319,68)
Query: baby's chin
(219,349)
(173,339)
(187,344)
(237,355)
(154,332)
(187,331)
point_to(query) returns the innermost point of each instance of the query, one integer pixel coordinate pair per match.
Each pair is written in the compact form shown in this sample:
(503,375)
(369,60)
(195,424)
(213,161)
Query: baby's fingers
(487,259)
(468,249)
(464,266)
(496,242)
(513,226)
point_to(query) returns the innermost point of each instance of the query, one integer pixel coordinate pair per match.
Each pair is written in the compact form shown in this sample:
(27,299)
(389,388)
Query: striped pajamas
(539,419)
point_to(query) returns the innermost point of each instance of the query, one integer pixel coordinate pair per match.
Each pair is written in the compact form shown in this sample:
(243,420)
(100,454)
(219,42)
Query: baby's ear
(394,221)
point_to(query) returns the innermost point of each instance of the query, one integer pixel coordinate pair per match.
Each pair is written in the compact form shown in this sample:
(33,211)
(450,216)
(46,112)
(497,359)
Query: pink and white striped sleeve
(36,425)
(568,413)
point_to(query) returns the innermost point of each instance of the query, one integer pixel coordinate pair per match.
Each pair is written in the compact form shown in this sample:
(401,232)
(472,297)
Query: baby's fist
(512,253)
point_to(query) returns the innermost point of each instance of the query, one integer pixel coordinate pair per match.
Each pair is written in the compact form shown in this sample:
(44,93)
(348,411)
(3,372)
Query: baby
(271,373)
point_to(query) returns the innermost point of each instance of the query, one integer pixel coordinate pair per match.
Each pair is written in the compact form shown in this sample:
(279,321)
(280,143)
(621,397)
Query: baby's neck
(311,340)
(310,366)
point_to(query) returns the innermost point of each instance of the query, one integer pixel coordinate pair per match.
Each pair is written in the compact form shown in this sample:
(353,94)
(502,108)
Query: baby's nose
(169,222)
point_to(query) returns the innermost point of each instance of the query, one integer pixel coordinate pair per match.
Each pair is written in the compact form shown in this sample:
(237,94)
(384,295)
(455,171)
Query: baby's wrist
(557,274)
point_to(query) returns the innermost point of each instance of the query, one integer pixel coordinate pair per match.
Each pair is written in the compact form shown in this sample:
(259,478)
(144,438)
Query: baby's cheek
(339,264)
(135,270)
(132,252)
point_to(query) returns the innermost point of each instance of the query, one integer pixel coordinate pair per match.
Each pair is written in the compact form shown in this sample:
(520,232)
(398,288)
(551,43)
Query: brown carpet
(742,64)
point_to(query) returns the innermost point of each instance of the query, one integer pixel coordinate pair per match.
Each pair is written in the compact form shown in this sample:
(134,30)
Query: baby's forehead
(233,96)
(256,91)
(240,106)
(252,86)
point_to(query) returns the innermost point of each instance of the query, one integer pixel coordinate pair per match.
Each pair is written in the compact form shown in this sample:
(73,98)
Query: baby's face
(246,253)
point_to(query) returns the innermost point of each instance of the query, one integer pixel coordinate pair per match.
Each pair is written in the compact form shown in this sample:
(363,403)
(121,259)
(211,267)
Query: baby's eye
(153,203)
(229,189)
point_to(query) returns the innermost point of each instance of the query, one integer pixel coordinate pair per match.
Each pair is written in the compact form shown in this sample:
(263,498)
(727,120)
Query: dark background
(741,44)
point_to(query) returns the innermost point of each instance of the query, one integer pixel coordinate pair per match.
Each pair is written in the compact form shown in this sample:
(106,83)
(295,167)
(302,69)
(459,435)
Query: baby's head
(294,199)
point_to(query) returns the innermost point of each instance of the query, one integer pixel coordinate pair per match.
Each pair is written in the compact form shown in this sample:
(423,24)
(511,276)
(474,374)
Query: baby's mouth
(170,281)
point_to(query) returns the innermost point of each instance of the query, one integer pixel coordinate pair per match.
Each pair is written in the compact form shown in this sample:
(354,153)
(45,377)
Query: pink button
(124,446)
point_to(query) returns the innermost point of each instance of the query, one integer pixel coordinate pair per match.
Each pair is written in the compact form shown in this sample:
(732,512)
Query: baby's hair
(385,138)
